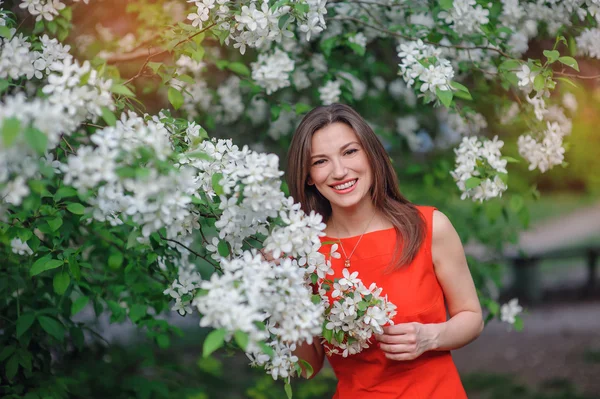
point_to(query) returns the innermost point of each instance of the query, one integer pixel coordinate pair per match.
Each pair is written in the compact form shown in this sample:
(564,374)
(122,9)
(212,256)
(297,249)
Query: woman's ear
(310,181)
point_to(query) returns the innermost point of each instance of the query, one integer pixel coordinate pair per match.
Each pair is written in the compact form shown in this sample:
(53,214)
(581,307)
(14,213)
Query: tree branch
(136,54)
(572,75)
(398,34)
(217,267)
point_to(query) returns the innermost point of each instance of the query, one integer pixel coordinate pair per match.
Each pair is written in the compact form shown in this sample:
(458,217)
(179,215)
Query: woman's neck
(350,222)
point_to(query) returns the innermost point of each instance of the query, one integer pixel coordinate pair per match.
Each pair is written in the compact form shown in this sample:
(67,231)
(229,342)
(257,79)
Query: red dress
(416,292)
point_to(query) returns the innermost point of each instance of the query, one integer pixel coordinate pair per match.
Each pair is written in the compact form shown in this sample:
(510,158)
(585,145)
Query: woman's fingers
(398,348)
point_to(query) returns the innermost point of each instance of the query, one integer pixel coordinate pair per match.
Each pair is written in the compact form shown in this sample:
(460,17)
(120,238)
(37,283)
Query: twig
(572,75)
(371,3)
(217,267)
(68,145)
(150,56)
(397,34)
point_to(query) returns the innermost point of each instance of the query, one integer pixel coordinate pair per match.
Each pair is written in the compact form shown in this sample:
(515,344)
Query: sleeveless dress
(416,292)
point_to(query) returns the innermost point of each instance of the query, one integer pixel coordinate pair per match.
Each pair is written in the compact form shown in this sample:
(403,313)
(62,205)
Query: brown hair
(386,196)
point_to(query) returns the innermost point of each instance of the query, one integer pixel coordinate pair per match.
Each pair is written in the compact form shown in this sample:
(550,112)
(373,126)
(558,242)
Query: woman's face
(339,167)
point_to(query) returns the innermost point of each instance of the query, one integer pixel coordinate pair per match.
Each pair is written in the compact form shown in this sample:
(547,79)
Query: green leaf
(288,390)
(55,223)
(307,366)
(510,65)
(109,117)
(302,108)
(241,338)
(327,334)
(239,68)
(10,130)
(118,88)
(155,66)
(568,81)
(446,4)
(36,139)
(267,350)
(459,87)
(12,367)
(327,45)
(463,95)
(115,260)
(61,282)
(6,352)
(64,192)
(570,62)
(552,55)
(358,49)
(163,341)
(223,248)
(4,84)
(539,83)
(137,311)
(78,304)
(518,323)
(175,98)
(445,96)
(283,19)
(213,341)
(52,327)
(76,208)
(314,278)
(24,322)
(472,182)
(216,178)
(43,264)
(5,32)
(510,159)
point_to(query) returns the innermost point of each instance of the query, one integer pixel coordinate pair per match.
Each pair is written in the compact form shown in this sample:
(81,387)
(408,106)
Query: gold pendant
(347,263)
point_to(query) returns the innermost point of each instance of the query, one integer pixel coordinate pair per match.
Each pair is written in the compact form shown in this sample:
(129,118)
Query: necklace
(347,258)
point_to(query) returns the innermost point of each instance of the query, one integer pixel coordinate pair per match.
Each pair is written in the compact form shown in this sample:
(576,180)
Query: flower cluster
(258,23)
(74,93)
(588,43)
(545,153)
(510,310)
(121,164)
(45,9)
(422,66)
(479,168)
(331,92)
(465,16)
(273,71)
(354,312)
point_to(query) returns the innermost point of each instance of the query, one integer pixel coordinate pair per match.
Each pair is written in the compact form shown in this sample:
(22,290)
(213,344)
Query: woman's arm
(409,340)
(313,354)
(452,271)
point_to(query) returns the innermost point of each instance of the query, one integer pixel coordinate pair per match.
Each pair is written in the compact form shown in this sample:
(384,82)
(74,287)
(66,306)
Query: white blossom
(510,310)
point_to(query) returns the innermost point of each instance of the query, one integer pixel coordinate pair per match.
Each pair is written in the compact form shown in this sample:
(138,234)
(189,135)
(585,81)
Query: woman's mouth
(345,187)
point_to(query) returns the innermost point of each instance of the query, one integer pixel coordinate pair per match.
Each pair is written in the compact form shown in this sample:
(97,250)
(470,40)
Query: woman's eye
(319,162)
(351,151)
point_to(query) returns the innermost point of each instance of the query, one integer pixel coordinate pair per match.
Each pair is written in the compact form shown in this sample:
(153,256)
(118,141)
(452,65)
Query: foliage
(108,211)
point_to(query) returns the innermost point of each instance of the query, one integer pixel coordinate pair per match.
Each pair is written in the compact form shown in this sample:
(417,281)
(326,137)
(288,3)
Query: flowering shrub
(115,208)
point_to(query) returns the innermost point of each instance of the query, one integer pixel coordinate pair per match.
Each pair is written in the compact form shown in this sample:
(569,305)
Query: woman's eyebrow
(342,148)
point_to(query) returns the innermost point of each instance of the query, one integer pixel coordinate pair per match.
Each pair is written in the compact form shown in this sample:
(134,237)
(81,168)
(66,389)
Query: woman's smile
(345,187)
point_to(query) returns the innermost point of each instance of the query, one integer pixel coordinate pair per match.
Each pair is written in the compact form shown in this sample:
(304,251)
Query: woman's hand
(408,341)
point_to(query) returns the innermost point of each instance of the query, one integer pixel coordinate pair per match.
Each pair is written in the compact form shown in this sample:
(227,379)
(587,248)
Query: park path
(555,233)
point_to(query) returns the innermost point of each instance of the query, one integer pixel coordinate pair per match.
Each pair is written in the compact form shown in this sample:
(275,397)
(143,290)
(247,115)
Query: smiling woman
(338,167)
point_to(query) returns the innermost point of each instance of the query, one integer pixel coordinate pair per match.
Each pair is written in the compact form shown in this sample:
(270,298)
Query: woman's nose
(339,169)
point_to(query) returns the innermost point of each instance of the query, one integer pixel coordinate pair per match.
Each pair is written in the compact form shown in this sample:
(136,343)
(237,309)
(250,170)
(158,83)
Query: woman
(338,167)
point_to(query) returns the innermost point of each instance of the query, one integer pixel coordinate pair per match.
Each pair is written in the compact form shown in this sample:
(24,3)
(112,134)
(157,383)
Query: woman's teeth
(345,185)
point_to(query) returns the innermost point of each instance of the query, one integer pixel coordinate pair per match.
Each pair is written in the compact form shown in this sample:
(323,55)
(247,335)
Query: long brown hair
(386,196)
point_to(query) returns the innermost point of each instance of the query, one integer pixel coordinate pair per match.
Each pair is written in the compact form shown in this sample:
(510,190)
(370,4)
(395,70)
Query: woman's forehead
(333,137)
